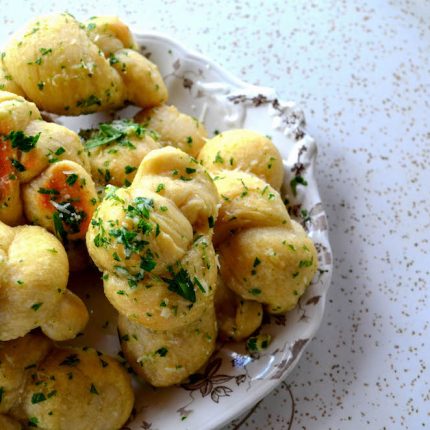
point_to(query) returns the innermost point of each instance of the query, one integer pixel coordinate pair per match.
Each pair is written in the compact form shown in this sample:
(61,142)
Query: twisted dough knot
(70,68)
(174,128)
(33,286)
(237,318)
(264,255)
(116,149)
(244,150)
(43,171)
(68,388)
(168,357)
(152,241)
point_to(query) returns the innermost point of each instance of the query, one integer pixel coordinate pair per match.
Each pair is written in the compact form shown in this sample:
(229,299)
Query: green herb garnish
(71,179)
(181,284)
(37,398)
(129,169)
(117,132)
(48,191)
(258,343)
(36,306)
(89,101)
(18,166)
(162,352)
(255,291)
(21,141)
(71,360)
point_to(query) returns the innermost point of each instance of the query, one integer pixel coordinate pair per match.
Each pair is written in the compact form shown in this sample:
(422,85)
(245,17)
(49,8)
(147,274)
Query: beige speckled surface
(361,71)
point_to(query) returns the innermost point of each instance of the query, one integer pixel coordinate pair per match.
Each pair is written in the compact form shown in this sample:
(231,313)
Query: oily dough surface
(33,278)
(115,160)
(155,237)
(237,318)
(168,357)
(70,68)
(247,201)
(244,150)
(174,128)
(57,388)
(43,172)
(271,265)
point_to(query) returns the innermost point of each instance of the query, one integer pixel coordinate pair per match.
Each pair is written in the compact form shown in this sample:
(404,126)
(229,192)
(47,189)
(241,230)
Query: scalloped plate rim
(267,386)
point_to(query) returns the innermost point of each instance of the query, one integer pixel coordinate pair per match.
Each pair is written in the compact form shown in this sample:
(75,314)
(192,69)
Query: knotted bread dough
(33,286)
(72,68)
(54,388)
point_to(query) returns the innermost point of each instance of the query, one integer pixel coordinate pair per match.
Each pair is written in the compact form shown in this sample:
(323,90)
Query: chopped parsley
(21,141)
(18,166)
(71,360)
(71,179)
(258,343)
(141,208)
(255,291)
(117,131)
(198,283)
(218,158)
(32,422)
(92,100)
(58,226)
(52,394)
(211,221)
(181,284)
(37,398)
(147,263)
(67,215)
(93,389)
(36,306)
(129,169)
(162,352)
(45,51)
(306,263)
(113,60)
(48,191)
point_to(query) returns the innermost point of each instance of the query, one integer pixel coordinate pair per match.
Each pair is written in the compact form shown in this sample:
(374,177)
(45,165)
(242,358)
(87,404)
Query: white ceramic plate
(233,381)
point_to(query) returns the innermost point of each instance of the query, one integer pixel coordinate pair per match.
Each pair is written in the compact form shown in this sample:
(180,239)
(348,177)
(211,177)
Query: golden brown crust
(43,172)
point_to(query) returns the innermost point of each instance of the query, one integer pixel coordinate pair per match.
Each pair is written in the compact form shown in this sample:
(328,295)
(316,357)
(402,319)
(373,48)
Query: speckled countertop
(361,72)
